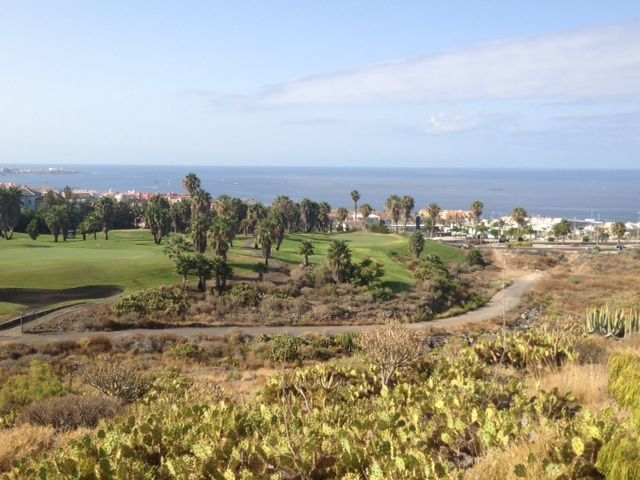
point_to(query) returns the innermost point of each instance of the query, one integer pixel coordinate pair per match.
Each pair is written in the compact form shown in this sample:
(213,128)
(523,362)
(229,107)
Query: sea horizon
(607,194)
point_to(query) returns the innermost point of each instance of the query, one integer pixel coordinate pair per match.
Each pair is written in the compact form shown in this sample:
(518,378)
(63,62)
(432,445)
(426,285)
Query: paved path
(501,303)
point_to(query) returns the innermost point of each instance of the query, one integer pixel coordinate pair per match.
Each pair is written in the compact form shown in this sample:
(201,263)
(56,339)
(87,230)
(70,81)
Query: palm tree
(157,217)
(222,271)
(93,224)
(184,263)
(177,245)
(57,220)
(355,196)
(200,203)
(433,211)
(191,183)
(562,229)
(221,235)
(339,260)
(477,208)
(105,209)
(341,215)
(407,205)
(265,234)
(203,266)
(198,229)
(618,229)
(366,210)
(519,215)
(416,243)
(394,205)
(10,206)
(306,249)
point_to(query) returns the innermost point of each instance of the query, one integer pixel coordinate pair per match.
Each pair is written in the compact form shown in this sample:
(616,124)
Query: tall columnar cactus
(610,322)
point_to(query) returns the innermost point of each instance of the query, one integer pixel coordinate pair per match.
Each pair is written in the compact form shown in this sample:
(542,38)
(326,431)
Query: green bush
(166,300)
(476,259)
(284,348)
(186,350)
(38,383)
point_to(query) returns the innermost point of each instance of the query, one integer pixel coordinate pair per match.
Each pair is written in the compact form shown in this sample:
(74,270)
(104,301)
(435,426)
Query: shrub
(348,341)
(246,295)
(366,272)
(117,380)
(475,258)
(13,351)
(168,300)
(38,383)
(187,350)
(97,344)
(284,348)
(22,441)
(391,347)
(71,412)
(377,227)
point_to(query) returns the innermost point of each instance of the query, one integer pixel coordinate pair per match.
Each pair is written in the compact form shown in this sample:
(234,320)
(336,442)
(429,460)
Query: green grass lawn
(390,250)
(131,260)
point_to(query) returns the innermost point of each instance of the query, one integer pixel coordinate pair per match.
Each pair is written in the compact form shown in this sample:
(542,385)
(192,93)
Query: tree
(341,215)
(198,229)
(416,243)
(57,220)
(91,224)
(256,212)
(191,183)
(433,211)
(618,230)
(309,213)
(306,249)
(391,347)
(10,205)
(179,250)
(366,273)
(180,215)
(355,196)
(157,217)
(200,203)
(203,266)
(222,271)
(431,267)
(33,229)
(265,234)
(519,215)
(324,217)
(105,210)
(477,208)
(366,210)
(339,260)
(562,229)
(261,269)
(407,205)
(221,234)
(394,205)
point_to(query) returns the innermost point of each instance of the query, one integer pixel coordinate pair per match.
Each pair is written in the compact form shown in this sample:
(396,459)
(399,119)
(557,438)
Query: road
(502,302)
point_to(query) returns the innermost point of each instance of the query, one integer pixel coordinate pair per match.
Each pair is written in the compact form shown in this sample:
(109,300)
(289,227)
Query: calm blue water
(610,194)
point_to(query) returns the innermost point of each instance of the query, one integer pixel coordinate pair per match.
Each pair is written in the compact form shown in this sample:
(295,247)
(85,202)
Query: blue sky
(360,83)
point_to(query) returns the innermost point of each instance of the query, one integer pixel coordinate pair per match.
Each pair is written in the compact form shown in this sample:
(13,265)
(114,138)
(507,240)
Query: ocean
(573,194)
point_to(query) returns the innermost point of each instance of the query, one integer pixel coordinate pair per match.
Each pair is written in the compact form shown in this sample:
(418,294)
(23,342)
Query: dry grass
(25,440)
(587,383)
(500,464)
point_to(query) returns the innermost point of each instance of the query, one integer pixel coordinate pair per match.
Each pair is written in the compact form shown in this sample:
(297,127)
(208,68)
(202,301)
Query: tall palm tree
(306,249)
(519,215)
(266,235)
(355,196)
(221,235)
(203,266)
(177,245)
(191,183)
(198,229)
(477,207)
(222,271)
(407,205)
(618,229)
(394,205)
(366,210)
(341,215)
(105,210)
(324,216)
(339,260)
(433,211)
(200,203)
(10,206)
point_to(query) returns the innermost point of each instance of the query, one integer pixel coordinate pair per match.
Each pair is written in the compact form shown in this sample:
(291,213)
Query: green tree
(562,229)
(265,234)
(179,250)
(433,212)
(256,212)
(204,267)
(341,215)
(306,249)
(393,206)
(221,234)
(416,243)
(519,215)
(198,230)
(157,217)
(33,229)
(180,213)
(366,210)
(477,207)
(57,220)
(366,273)
(431,267)
(618,230)
(355,197)
(309,213)
(407,206)
(339,260)
(10,205)
(200,203)
(324,217)
(222,271)
(92,224)
(105,211)
(191,183)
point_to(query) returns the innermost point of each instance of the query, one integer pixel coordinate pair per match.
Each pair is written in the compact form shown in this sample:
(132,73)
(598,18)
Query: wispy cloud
(443,123)
(591,63)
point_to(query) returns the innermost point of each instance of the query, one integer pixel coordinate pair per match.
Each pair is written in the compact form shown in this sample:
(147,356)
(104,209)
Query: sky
(543,84)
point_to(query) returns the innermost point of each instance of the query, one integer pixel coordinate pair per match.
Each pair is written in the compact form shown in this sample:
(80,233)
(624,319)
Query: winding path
(502,302)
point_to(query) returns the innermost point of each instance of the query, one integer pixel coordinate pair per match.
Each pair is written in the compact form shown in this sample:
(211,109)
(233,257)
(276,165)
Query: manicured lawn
(131,260)
(388,249)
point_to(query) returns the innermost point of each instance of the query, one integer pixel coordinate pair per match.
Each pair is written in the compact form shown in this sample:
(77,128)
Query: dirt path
(501,303)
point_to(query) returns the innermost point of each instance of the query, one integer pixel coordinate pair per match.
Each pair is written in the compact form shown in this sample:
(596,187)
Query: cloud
(443,123)
(312,122)
(590,63)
